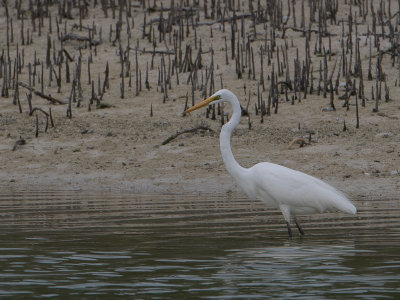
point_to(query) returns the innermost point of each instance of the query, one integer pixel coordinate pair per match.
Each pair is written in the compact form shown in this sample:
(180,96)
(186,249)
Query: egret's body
(291,191)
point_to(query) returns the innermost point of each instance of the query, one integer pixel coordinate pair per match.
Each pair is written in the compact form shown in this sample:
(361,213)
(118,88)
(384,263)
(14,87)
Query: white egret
(291,191)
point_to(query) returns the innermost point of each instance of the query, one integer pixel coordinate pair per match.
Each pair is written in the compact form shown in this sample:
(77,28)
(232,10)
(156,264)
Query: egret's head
(217,97)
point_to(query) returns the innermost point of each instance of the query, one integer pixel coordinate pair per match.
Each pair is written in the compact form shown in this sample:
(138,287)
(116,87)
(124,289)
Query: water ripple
(147,246)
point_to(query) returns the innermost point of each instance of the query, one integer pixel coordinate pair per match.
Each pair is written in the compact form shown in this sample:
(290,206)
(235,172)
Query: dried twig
(297,140)
(172,137)
(19,142)
(40,94)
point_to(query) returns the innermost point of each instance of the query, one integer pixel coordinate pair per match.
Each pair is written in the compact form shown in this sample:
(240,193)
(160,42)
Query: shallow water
(65,244)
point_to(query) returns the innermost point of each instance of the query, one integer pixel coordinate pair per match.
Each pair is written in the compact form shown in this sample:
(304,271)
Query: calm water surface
(89,246)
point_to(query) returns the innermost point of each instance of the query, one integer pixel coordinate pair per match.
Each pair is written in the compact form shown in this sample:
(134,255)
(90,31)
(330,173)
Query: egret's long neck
(231,164)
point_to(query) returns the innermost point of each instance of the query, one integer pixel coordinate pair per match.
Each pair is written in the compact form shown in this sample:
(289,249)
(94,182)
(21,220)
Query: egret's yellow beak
(201,104)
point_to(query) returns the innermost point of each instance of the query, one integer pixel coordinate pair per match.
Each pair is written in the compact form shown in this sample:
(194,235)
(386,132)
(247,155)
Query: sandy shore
(120,148)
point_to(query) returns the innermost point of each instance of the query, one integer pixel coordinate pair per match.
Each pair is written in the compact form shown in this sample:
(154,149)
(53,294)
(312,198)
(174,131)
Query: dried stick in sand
(297,140)
(19,142)
(172,137)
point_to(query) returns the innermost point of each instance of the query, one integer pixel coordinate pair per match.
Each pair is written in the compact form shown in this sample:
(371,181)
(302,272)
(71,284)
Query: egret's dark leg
(289,230)
(298,226)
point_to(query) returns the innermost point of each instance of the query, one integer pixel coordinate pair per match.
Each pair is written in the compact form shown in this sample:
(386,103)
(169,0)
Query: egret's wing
(297,189)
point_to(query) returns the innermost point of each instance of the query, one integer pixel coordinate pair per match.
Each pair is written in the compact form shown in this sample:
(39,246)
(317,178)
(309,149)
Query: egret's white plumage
(291,191)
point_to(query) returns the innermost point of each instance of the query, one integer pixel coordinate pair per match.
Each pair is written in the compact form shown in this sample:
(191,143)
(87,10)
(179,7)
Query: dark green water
(86,246)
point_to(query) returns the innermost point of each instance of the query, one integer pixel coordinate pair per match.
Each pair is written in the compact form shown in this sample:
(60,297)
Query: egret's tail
(346,206)
(349,208)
